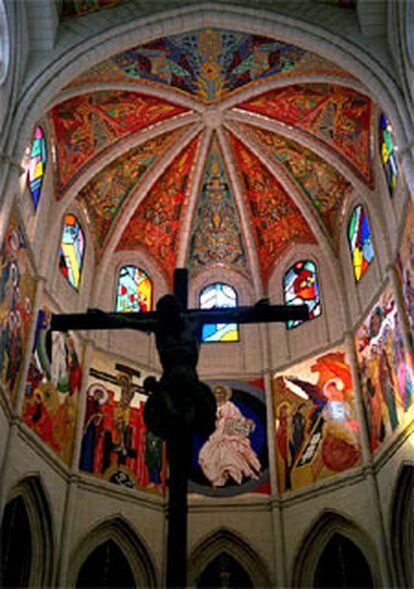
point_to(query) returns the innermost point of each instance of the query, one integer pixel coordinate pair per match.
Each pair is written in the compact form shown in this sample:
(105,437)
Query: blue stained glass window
(388,155)
(72,247)
(37,165)
(219,295)
(134,292)
(360,242)
(300,287)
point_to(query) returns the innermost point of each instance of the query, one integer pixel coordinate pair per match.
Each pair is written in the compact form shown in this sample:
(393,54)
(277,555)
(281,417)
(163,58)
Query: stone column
(406,159)
(395,283)
(10,172)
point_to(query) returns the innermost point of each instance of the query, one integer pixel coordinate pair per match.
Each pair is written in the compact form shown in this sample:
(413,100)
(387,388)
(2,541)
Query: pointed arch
(360,241)
(387,153)
(72,250)
(301,287)
(31,493)
(402,526)
(225,541)
(134,290)
(218,295)
(310,550)
(37,165)
(119,531)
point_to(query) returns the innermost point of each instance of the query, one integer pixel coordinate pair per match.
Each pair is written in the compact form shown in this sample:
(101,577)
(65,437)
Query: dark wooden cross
(178,335)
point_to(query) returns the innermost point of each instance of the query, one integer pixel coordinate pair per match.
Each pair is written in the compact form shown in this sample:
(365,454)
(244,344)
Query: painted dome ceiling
(212,148)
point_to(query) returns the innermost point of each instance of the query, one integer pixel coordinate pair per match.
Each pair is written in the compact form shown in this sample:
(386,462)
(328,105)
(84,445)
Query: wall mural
(53,385)
(156,222)
(17,290)
(386,369)
(325,188)
(116,444)
(86,125)
(105,194)
(233,459)
(317,433)
(81,7)
(210,64)
(276,220)
(335,115)
(216,236)
(406,264)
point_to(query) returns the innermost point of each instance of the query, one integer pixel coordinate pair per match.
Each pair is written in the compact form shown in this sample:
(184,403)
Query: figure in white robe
(228,453)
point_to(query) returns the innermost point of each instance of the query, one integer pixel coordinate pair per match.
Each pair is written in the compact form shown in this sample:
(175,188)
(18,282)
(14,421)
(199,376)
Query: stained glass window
(134,292)
(360,242)
(72,248)
(300,287)
(37,165)
(388,155)
(219,295)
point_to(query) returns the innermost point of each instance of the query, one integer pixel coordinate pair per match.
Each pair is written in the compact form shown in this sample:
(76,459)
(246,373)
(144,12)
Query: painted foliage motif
(317,433)
(53,385)
(386,369)
(276,220)
(37,165)
(156,222)
(81,7)
(217,236)
(71,251)
(213,296)
(116,444)
(406,264)
(134,292)
(301,287)
(17,289)
(326,188)
(86,125)
(209,63)
(339,117)
(233,459)
(105,194)
(360,242)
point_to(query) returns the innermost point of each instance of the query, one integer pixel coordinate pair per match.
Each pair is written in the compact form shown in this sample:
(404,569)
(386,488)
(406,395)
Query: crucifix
(179,404)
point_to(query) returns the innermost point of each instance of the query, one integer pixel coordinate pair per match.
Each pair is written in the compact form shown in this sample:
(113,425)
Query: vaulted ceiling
(213,147)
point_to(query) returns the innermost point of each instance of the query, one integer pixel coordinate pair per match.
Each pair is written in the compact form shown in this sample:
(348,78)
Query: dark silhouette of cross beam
(178,336)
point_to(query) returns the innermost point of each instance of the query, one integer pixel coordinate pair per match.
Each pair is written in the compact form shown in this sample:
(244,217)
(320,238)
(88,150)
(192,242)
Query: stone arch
(402,526)
(229,542)
(33,494)
(4,43)
(121,532)
(316,539)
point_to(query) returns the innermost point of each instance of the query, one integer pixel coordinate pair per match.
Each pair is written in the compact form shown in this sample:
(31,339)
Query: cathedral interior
(267,146)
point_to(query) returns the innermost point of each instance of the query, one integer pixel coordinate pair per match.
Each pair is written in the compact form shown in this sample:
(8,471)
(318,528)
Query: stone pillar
(10,172)
(369,467)
(70,501)
(406,159)
(395,283)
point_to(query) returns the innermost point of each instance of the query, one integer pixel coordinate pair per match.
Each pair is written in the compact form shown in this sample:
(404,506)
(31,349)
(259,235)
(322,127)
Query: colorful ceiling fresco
(69,8)
(216,235)
(105,194)
(276,220)
(210,64)
(337,116)
(326,189)
(86,125)
(155,225)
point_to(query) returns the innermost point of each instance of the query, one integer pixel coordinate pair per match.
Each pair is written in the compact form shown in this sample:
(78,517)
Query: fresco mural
(156,222)
(317,433)
(216,236)
(337,116)
(105,194)
(276,220)
(53,385)
(406,264)
(326,189)
(233,459)
(386,369)
(17,290)
(210,64)
(86,125)
(116,444)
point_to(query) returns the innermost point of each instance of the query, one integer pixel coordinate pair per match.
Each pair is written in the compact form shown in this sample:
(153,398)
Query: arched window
(388,155)
(72,249)
(219,295)
(106,566)
(360,242)
(16,543)
(300,287)
(37,165)
(134,291)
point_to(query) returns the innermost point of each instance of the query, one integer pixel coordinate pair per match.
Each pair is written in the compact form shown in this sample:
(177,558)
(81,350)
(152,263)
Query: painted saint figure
(227,452)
